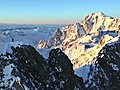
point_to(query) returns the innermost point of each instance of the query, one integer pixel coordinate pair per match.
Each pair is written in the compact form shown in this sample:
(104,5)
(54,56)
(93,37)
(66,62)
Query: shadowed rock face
(60,62)
(29,70)
(105,73)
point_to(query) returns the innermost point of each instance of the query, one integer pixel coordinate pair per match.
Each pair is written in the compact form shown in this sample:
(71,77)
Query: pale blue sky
(54,11)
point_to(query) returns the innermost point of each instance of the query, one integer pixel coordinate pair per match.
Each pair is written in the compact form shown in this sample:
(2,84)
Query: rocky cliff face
(99,21)
(91,24)
(104,71)
(26,69)
(82,42)
(64,36)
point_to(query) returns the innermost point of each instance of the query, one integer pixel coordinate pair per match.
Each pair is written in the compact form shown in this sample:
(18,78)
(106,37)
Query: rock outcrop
(25,69)
(64,36)
(104,73)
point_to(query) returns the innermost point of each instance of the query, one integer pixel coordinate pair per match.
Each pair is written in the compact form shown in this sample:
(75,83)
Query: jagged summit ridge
(99,21)
(83,41)
(92,23)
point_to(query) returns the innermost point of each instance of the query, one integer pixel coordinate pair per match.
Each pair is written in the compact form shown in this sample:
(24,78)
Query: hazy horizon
(54,11)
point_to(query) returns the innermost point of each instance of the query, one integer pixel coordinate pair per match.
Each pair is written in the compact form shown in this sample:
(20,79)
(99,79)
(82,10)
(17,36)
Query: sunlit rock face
(26,69)
(99,21)
(42,44)
(91,24)
(65,35)
(82,42)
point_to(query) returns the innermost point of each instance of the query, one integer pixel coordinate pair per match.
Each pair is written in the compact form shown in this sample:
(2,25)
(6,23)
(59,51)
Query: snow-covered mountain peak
(63,36)
(99,21)
(83,41)
(100,14)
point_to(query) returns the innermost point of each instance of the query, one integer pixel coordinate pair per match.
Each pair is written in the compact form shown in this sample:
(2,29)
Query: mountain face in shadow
(105,72)
(30,70)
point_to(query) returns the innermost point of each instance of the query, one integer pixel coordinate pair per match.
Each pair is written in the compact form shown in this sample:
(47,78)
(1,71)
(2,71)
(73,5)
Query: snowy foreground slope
(88,58)
(26,69)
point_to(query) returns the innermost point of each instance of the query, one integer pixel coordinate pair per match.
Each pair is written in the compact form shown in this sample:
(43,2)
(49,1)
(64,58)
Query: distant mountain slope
(63,36)
(82,42)
(92,24)
(99,21)
(11,34)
